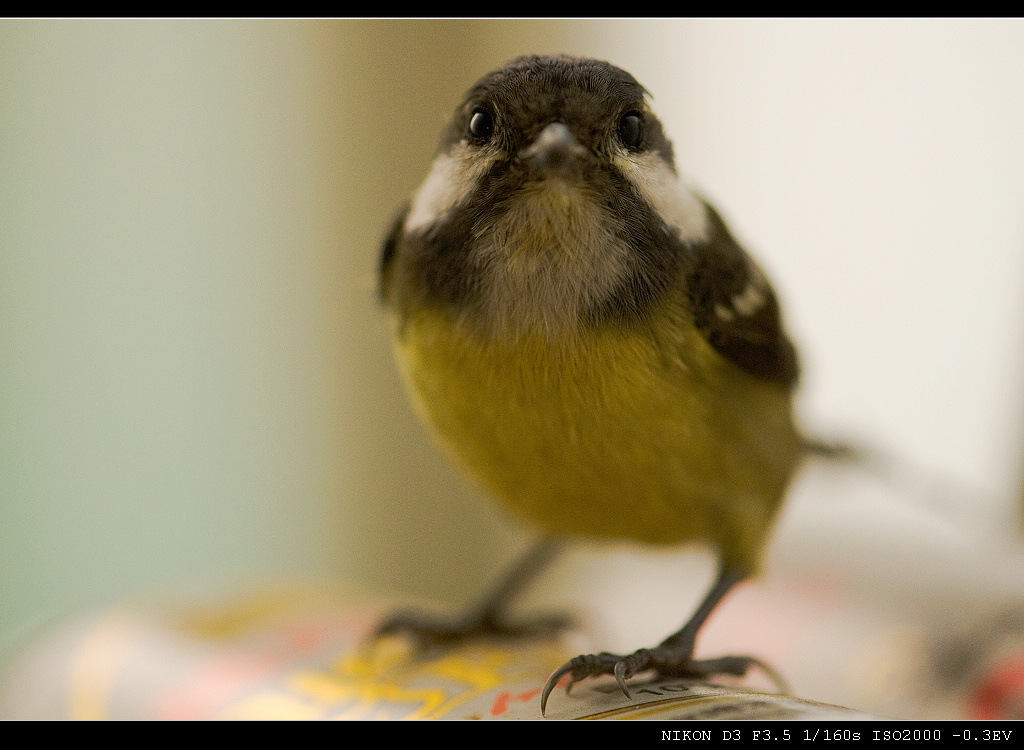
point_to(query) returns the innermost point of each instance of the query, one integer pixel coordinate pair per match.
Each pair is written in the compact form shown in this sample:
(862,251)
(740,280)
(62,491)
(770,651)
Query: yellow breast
(644,434)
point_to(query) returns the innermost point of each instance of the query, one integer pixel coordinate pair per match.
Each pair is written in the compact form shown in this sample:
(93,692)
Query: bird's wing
(387,253)
(736,310)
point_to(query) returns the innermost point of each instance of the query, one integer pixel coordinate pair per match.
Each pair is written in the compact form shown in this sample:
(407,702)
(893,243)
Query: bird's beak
(555,153)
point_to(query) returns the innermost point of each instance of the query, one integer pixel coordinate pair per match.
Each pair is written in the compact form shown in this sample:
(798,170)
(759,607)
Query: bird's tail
(925,486)
(840,451)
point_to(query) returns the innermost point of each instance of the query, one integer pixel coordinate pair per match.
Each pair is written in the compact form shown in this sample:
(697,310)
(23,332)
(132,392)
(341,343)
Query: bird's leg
(486,619)
(673,657)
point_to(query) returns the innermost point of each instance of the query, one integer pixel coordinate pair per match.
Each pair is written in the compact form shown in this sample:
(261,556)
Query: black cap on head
(530,92)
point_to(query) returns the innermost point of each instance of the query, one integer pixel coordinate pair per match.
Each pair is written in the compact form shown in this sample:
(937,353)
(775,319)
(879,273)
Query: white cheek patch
(678,206)
(452,178)
(684,212)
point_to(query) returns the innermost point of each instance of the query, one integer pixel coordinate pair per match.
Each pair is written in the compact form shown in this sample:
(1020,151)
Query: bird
(582,334)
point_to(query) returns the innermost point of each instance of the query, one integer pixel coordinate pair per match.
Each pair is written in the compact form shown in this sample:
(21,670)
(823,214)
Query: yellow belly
(641,434)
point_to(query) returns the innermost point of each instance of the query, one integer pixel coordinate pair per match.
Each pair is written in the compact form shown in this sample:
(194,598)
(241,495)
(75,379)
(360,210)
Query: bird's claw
(591,665)
(666,661)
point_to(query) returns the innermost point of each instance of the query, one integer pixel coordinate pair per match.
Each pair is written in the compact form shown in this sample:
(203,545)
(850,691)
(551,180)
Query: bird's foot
(428,633)
(666,660)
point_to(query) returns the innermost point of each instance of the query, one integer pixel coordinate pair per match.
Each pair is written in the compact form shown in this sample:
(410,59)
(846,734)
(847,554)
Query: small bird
(582,334)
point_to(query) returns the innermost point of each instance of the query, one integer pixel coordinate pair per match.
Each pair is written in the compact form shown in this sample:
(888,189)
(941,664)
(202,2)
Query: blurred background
(196,385)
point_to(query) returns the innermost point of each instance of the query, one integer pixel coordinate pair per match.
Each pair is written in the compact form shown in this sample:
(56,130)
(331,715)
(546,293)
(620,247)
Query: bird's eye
(631,130)
(481,125)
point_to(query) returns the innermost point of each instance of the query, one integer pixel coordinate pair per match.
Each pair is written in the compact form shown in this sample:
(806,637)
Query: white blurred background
(196,386)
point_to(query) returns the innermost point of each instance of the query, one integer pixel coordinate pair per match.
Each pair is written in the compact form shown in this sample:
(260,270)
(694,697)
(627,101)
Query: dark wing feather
(387,254)
(736,310)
